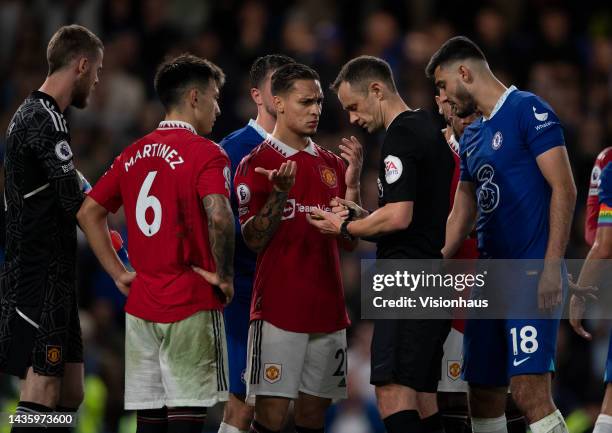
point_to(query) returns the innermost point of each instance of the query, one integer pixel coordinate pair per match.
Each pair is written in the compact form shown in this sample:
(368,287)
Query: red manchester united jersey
(298,285)
(454,146)
(592,209)
(469,247)
(160,180)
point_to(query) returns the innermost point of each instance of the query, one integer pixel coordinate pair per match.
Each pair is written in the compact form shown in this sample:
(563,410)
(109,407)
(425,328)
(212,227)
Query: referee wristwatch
(344,231)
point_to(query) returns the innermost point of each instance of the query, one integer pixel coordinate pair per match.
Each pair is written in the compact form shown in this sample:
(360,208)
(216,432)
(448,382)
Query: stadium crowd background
(562,52)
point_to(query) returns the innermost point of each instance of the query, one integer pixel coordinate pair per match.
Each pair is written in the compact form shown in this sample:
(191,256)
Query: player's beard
(80,93)
(466,104)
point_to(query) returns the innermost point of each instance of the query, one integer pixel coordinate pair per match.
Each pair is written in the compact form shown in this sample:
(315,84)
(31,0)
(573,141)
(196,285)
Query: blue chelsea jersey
(237,145)
(498,155)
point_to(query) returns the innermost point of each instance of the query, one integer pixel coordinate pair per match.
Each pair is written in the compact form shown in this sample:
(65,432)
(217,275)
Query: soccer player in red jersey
(174,186)
(297,339)
(592,208)
(598,234)
(452,390)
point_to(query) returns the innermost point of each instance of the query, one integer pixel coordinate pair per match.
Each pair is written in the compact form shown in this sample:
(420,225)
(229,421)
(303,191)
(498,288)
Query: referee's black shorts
(408,352)
(42,330)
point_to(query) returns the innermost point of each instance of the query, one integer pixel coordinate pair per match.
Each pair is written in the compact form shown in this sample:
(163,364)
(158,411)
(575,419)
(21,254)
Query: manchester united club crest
(54,354)
(328,176)
(272,372)
(453,370)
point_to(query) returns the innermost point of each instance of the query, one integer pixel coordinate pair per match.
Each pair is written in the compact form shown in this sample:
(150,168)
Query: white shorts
(282,363)
(175,364)
(451,364)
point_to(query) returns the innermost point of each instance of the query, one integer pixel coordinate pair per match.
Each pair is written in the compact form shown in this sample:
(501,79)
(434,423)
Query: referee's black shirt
(415,165)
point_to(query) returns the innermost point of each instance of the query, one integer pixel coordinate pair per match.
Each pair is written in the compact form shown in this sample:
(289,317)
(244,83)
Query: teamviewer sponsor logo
(291,207)
(289,210)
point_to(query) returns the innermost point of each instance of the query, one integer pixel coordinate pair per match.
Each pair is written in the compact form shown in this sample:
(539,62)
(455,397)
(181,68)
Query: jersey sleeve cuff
(221,191)
(544,147)
(108,205)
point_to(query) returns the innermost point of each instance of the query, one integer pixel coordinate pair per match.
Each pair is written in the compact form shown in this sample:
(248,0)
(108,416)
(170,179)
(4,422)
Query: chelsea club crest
(497,140)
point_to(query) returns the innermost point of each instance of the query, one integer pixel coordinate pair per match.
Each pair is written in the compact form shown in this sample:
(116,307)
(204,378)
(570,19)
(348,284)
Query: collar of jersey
(174,124)
(500,102)
(42,95)
(257,127)
(288,151)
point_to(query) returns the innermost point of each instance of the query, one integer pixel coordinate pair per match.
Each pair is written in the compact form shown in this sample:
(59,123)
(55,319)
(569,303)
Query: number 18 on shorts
(283,363)
(496,350)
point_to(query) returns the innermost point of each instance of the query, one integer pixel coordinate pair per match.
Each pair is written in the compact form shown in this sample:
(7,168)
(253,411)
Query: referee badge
(54,354)
(328,176)
(393,168)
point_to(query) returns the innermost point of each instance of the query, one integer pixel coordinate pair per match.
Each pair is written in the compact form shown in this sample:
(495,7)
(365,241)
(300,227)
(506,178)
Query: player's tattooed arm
(258,231)
(221,234)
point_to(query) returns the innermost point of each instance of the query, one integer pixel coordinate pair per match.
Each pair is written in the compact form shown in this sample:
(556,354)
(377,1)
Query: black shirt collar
(37,94)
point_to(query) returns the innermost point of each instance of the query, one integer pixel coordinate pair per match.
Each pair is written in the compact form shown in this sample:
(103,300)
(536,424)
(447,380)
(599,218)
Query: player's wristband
(344,231)
(84,184)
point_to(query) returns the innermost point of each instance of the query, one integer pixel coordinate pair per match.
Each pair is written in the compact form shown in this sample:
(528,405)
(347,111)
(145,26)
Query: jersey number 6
(146,201)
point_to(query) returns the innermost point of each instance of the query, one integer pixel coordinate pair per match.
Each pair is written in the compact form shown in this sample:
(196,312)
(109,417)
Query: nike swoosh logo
(539,116)
(470,151)
(517,363)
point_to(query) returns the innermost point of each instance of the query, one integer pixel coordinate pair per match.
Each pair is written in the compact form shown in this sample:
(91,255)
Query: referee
(40,335)
(414,180)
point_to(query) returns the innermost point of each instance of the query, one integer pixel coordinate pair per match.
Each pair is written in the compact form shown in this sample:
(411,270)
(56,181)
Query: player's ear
(192,97)
(376,89)
(256,96)
(465,74)
(82,65)
(279,104)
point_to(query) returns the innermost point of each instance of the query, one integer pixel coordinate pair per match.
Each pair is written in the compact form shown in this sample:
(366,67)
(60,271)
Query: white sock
(226,428)
(603,424)
(489,425)
(553,423)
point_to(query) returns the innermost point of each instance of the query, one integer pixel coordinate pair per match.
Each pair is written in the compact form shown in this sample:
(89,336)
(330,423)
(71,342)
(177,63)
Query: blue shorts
(496,350)
(608,373)
(237,318)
